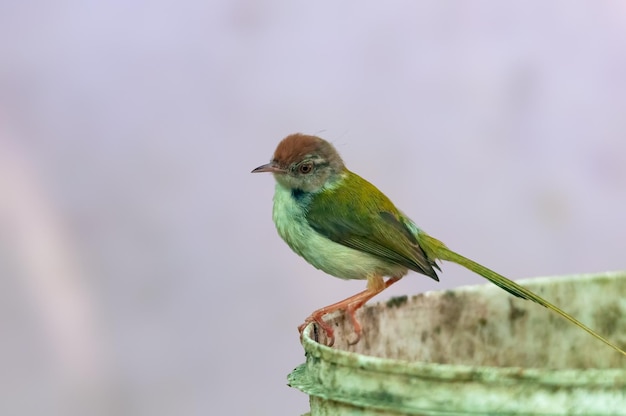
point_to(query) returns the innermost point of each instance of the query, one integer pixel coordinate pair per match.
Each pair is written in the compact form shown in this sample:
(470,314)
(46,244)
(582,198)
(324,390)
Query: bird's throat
(299,195)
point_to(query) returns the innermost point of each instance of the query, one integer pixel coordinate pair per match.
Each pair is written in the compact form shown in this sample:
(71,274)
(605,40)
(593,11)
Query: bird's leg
(375,285)
(318,315)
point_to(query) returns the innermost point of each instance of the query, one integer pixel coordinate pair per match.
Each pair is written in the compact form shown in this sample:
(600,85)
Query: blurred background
(140,271)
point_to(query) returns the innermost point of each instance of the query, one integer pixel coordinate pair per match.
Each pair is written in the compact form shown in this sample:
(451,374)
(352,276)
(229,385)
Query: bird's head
(304,162)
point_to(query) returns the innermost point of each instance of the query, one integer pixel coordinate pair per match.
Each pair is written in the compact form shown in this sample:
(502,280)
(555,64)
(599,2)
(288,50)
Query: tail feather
(435,249)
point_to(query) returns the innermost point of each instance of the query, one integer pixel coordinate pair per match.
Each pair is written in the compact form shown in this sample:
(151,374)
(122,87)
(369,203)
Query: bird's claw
(328,330)
(356,340)
(350,311)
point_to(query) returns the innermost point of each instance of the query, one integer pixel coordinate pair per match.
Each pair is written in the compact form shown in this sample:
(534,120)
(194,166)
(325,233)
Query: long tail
(435,249)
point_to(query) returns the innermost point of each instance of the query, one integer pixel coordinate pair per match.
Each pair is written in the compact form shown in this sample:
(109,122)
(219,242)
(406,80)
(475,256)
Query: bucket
(475,351)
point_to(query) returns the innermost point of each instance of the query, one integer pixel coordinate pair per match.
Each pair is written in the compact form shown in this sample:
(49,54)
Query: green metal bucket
(475,351)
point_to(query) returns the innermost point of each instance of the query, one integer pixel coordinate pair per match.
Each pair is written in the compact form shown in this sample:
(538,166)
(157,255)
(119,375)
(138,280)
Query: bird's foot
(351,311)
(316,317)
(350,306)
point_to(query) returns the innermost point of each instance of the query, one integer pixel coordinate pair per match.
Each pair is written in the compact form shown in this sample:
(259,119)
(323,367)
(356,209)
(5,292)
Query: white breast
(324,254)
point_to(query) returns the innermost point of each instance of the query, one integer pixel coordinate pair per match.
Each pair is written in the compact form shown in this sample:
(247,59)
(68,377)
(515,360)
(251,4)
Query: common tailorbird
(342,224)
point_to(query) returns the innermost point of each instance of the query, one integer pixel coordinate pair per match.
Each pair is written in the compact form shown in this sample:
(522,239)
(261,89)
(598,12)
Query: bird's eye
(305,168)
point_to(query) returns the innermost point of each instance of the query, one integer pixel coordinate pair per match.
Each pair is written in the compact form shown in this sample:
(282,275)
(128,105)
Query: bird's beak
(270,167)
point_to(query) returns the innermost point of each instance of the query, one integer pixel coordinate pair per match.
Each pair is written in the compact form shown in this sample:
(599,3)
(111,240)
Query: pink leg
(350,305)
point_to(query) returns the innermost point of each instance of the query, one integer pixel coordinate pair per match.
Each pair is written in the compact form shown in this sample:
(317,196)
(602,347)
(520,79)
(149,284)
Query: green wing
(357,215)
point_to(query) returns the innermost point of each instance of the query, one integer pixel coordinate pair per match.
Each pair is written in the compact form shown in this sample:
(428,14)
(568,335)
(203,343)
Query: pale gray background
(140,270)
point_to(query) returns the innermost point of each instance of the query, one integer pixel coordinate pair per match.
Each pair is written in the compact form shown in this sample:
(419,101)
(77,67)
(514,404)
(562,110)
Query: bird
(343,225)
